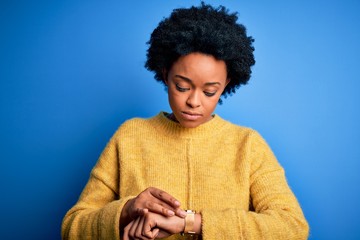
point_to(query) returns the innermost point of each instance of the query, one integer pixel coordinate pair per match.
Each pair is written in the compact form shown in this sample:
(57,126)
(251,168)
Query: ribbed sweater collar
(171,128)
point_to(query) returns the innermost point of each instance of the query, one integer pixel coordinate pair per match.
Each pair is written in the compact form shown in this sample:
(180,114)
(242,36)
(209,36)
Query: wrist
(189,222)
(197,224)
(125,214)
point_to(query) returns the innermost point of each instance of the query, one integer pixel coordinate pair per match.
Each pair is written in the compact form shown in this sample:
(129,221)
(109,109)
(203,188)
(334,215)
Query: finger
(149,228)
(165,197)
(180,213)
(155,232)
(165,209)
(126,231)
(140,211)
(160,208)
(152,203)
(149,225)
(139,229)
(133,227)
(156,200)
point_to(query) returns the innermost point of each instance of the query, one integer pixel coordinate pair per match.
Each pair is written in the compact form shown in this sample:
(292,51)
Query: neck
(172,117)
(171,127)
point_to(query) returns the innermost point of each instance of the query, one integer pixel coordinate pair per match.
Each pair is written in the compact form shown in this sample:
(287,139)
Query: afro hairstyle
(207,30)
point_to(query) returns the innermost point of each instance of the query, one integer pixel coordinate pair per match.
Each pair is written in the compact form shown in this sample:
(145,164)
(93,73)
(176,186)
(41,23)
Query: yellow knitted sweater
(223,171)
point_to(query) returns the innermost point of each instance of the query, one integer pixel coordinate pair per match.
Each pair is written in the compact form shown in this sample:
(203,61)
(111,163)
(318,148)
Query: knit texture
(221,170)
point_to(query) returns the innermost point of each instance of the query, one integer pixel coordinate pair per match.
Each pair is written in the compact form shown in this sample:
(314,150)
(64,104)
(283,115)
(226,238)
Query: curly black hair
(207,30)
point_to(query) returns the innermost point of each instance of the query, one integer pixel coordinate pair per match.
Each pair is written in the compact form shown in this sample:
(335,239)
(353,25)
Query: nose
(193,100)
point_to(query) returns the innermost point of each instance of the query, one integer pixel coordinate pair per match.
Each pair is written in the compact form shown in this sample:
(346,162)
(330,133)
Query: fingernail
(177,203)
(182,213)
(171,213)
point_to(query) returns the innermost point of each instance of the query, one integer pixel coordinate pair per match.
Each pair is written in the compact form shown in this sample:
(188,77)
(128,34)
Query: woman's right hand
(153,199)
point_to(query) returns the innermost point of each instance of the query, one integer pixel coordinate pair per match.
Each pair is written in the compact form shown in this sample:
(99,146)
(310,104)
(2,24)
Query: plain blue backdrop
(72,71)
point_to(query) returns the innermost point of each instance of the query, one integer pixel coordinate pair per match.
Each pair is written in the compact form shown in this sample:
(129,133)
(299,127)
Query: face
(195,83)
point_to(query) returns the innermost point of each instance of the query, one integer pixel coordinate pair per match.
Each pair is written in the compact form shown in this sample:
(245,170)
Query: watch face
(189,222)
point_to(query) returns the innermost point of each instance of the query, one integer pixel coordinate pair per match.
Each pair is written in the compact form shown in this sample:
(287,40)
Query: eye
(209,94)
(181,89)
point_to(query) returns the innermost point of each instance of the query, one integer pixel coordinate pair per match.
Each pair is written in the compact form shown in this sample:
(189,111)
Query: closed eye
(209,94)
(181,89)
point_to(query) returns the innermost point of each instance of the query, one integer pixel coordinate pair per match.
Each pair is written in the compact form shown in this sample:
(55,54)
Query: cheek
(211,105)
(211,102)
(175,98)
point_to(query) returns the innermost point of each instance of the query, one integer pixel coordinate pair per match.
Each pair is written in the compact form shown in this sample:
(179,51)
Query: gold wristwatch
(189,222)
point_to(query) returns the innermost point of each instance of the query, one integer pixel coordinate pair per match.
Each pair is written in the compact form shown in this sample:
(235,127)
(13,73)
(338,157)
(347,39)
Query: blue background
(72,71)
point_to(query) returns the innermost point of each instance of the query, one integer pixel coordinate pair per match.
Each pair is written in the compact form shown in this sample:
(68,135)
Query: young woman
(190,174)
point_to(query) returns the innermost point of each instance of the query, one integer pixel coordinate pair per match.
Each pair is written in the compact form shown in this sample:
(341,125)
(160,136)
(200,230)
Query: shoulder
(136,127)
(236,129)
(243,133)
(132,125)
(135,123)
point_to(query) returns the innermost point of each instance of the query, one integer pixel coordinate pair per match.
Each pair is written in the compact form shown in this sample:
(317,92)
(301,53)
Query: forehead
(200,67)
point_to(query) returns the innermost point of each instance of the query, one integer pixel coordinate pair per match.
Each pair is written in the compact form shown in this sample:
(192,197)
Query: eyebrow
(190,81)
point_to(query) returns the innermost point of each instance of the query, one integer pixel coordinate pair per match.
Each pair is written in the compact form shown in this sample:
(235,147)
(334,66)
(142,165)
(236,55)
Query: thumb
(156,232)
(141,211)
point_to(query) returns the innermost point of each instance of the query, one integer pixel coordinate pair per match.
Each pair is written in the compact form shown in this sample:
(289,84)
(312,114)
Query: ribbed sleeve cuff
(223,224)
(110,219)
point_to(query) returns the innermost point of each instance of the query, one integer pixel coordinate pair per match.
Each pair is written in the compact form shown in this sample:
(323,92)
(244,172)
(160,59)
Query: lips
(191,116)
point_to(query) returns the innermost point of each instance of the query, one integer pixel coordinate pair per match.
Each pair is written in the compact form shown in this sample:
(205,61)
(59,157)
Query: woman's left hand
(152,225)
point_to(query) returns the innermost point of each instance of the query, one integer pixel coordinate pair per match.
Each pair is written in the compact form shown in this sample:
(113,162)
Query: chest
(199,174)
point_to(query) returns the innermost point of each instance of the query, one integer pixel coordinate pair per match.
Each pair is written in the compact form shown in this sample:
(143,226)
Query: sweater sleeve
(96,215)
(275,213)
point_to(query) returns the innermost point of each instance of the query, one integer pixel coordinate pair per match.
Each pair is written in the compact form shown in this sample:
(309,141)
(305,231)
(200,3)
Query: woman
(153,169)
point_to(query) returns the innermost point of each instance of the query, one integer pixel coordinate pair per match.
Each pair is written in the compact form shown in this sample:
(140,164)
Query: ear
(227,81)
(165,76)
